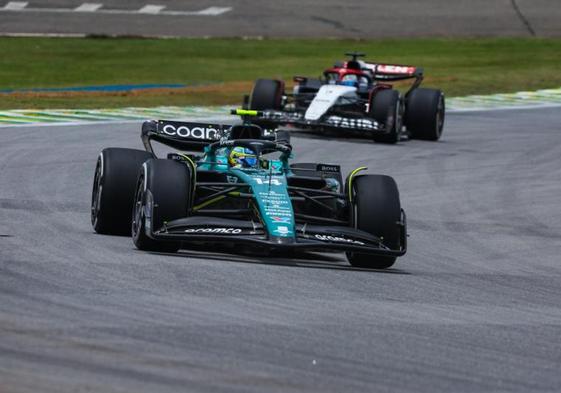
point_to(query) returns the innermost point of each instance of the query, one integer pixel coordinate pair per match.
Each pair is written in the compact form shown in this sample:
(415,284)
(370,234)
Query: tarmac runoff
(472,307)
(546,98)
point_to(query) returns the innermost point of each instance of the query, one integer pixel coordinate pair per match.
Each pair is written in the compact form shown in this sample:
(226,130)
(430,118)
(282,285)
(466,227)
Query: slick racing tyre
(424,115)
(376,210)
(113,189)
(266,94)
(162,190)
(386,108)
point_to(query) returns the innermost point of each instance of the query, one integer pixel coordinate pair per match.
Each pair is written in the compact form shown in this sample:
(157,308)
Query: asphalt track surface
(296,18)
(475,305)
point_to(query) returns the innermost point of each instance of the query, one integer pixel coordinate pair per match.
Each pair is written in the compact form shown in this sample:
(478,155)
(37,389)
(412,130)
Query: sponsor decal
(280,219)
(282,230)
(175,156)
(231,179)
(343,122)
(395,69)
(328,168)
(193,131)
(228,231)
(278,212)
(272,181)
(337,239)
(276,204)
(273,197)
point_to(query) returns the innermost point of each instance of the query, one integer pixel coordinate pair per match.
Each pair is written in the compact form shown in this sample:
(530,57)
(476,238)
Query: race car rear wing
(181,135)
(394,72)
(195,137)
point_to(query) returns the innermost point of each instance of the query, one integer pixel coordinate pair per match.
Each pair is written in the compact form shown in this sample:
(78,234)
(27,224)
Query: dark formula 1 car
(354,96)
(241,190)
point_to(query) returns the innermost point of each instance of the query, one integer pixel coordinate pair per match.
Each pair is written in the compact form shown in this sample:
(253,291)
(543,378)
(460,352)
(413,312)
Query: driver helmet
(349,80)
(242,157)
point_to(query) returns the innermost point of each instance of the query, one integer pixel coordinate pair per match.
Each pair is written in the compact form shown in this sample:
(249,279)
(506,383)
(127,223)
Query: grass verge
(225,68)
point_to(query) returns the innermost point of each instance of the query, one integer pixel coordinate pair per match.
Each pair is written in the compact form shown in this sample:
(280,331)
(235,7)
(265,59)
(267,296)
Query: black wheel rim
(398,119)
(96,193)
(440,116)
(138,209)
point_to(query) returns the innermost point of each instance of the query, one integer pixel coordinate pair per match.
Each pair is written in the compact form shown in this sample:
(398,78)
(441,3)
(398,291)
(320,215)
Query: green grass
(458,66)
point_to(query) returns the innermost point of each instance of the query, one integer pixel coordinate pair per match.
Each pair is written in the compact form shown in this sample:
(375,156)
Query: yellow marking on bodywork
(245,112)
(351,175)
(217,199)
(194,180)
(209,202)
(187,158)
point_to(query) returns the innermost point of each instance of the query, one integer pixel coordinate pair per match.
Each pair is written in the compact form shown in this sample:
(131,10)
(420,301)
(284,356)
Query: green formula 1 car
(234,185)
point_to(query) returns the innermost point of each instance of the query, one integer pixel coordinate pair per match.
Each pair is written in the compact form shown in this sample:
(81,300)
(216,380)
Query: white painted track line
(151,9)
(502,108)
(15,5)
(20,120)
(95,8)
(88,7)
(525,100)
(214,11)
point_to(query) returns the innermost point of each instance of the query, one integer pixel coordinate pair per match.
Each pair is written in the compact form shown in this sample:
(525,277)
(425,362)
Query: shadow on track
(308,260)
(341,136)
(351,137)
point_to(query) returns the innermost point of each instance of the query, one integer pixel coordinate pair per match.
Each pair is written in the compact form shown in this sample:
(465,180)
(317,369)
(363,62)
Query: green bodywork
(268,184)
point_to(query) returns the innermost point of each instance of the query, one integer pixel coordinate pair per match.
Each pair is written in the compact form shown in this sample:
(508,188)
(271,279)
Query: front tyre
(163,194)
(376,210)
(424,115)
(113,189)
(385,107)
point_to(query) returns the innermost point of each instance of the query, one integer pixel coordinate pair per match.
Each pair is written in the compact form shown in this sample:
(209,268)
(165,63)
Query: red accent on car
(341,71)
(395,69)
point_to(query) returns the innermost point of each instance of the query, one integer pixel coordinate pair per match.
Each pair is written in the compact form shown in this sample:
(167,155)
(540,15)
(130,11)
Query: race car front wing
(308,237)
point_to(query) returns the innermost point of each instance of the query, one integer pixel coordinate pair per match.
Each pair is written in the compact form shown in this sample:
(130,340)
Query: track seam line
(521,16)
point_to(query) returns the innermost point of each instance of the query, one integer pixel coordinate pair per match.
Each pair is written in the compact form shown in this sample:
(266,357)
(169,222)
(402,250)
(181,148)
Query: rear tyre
(424,115)
(376,210)
(113,189)
(266,94)
(386,108)
(163,194)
